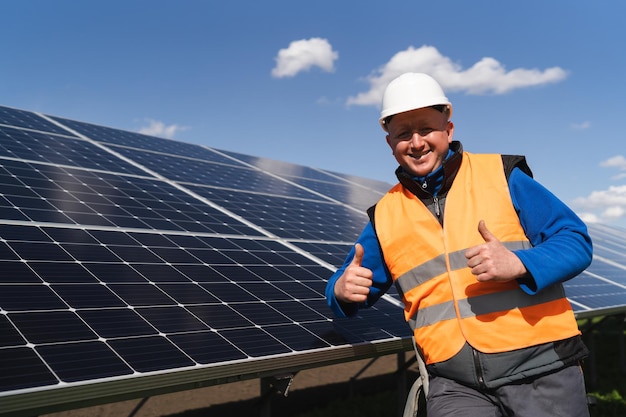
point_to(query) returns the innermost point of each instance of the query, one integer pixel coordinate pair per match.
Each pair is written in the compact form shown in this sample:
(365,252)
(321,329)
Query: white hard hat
(411,91)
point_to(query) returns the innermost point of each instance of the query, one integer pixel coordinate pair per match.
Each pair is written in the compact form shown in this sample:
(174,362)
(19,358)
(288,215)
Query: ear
(389,142)
(450,130)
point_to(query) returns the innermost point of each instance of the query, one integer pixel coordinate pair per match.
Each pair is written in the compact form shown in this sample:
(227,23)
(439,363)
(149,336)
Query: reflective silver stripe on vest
(484,304)
(437,266)
(458,260)
(420,274)
(507,300)
(430,315)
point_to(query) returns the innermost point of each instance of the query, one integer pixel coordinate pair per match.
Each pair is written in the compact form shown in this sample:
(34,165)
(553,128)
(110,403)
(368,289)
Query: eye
(425,131)
(404,135)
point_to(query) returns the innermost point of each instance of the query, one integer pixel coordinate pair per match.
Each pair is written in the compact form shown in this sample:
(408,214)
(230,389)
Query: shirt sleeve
(373,260)
(561,246)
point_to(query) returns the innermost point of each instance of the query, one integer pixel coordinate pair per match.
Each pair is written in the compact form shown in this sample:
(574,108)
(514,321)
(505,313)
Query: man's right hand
(354,285)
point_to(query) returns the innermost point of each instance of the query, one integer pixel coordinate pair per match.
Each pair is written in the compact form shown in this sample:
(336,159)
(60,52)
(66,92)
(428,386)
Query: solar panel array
(133,263)
(126,256)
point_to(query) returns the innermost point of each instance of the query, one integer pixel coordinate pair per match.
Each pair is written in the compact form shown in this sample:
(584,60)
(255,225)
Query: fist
(492,261)
(354,285)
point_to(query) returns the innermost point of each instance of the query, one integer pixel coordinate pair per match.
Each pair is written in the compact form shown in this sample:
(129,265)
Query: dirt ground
(309,389)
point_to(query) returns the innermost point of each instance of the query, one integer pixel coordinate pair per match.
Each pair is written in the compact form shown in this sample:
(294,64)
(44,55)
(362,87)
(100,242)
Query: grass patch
(608,384)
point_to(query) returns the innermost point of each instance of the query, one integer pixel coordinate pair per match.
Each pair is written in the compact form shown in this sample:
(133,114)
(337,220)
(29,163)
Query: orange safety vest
(444,303)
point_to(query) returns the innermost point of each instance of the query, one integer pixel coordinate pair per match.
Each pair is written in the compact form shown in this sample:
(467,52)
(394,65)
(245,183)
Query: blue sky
(301,81)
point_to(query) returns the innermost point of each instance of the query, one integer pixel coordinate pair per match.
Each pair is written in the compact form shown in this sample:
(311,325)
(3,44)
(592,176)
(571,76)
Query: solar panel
(134,264)
(601,288)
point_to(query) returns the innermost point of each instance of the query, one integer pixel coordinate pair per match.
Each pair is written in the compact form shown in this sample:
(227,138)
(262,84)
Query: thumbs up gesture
(354,285)
(492,261)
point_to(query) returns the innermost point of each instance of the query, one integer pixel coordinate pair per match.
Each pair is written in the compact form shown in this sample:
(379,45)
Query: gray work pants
(560,394)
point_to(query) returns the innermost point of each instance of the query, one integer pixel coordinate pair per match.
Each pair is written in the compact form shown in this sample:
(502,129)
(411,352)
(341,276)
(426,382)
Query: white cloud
(160,129)
(486,76)
(303,55)
(613,212)
(589,217)
(581,126)
(617,161)
(604,205)
(615,195)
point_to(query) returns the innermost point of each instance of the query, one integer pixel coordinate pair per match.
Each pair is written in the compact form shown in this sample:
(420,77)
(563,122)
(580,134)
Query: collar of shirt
(432,182)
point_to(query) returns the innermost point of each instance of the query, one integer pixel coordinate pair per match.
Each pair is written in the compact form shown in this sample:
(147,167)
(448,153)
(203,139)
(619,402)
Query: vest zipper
(436,203)
(478,369)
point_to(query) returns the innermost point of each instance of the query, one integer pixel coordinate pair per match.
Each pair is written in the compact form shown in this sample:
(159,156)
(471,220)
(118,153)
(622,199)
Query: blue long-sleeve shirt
(561,247)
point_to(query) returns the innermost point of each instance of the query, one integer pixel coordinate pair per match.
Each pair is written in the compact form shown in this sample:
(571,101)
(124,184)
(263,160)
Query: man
(478,251)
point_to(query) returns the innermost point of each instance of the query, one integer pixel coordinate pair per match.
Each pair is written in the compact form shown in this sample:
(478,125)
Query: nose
(417,141)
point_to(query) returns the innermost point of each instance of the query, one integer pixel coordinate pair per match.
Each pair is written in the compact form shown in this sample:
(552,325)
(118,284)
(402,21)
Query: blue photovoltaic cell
(334,254)
(344,192)
(20,297)
(255,342)
(218,258)
(87,296)
(42,147)
(64,195)
(151,353)
(19,272)
(23,368)
(188,293)
(195,345)
(44,327)
(111,136)
(291,218)
(284,169)
(293,171)
(608,271)
(115,323)
(10,336)
(70,360)
(28,120)
(360,194)
(376,185)
(195,171)
(612,252)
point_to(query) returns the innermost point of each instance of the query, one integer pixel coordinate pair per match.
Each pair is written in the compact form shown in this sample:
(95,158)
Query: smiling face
(419,139)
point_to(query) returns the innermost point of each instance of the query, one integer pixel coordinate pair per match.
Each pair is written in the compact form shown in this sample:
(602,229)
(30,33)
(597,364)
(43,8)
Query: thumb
(358,254)
(485,233)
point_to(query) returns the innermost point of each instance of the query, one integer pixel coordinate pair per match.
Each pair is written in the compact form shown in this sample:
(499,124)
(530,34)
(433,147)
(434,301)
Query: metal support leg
(620,342)
(401,383)
(591,360)
(270,386)
(265,402)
